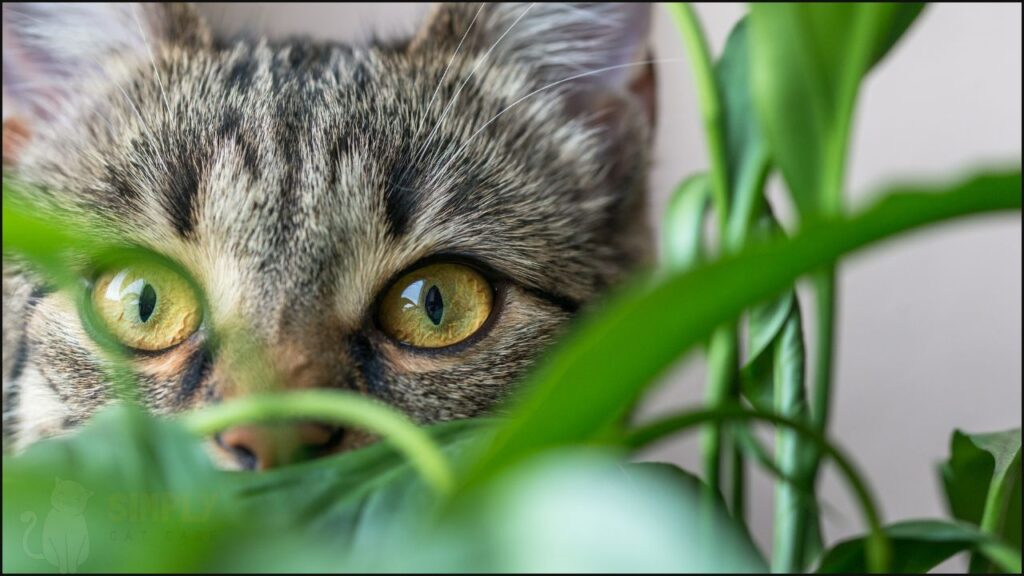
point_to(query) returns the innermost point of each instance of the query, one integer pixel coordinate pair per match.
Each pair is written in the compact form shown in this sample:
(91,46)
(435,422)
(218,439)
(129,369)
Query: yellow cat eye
(146,306)
(436,305)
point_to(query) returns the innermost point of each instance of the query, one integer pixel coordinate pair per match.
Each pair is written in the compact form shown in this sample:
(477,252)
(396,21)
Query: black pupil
(434,305)
(147,302)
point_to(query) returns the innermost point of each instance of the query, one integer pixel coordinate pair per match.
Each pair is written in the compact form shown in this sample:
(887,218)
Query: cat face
(297,191)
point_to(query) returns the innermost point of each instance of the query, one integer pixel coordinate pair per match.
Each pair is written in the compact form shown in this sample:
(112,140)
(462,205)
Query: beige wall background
(930,325)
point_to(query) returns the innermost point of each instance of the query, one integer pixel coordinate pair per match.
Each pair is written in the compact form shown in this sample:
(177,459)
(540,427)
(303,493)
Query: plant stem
(791,506)
(722,355)
(334,407)
(994,513)
(824,296)
(878,547)
(738,501)
(721,375)
(710,100)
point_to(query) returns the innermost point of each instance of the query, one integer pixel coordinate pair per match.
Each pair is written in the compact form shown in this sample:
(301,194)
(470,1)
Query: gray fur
(295,179)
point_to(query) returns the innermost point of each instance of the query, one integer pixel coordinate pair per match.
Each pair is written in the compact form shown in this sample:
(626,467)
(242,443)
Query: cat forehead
(276,169)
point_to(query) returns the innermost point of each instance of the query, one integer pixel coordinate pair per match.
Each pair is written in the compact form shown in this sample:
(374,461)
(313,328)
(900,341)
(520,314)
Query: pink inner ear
(16,134)
(644,87)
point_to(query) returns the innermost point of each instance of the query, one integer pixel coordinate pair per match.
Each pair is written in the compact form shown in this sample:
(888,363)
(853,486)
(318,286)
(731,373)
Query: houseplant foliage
(548,484)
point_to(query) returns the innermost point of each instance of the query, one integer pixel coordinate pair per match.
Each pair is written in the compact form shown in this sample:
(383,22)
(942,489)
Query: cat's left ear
(51,49)
(590,48)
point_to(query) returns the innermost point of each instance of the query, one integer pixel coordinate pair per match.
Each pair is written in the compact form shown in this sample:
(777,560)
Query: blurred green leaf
(919,546)
(796,517)
(746,152)
(808,62)
(152,483)
(147,482)
(683,308)
(682,232)
(573,511)
(765,321)
(157,504)
(982,479)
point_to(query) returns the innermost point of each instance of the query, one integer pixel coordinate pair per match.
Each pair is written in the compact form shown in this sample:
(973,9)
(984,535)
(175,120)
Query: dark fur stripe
(365,358)
(564,302)
(182,189)
(401,199)
(199,366)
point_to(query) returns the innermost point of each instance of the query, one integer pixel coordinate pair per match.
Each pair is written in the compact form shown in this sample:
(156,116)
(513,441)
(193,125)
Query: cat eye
(436,305)
(146,306)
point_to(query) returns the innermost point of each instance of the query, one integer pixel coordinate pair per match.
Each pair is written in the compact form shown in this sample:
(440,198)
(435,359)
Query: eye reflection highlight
(411,295)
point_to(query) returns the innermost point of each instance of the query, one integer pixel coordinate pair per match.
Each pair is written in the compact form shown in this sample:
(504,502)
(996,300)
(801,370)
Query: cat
(501,152)
(65,542)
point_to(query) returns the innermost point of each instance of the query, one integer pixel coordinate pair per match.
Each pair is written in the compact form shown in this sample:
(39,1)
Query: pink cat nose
(260,447)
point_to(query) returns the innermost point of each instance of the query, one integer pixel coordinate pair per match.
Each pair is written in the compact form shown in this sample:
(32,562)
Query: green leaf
(129,481)
(796,517)
(919,546)
(149,482)
(746,151)
(683,308)
(575,511)
(765,321)
(683,228)
(807,64)
(982,479)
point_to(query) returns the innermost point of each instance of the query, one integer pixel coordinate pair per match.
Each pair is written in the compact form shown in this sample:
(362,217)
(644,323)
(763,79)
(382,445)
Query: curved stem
(792,518)
(335,407)
(722,355)
(721,375)
(710,99)
(878,544)
(824,296)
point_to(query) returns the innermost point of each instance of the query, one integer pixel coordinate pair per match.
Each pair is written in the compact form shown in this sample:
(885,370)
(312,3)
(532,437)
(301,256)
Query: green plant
(547,485)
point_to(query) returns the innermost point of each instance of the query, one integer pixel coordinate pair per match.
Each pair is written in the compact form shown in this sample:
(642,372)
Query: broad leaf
(572,511)
(920,545)
(683,225)
(982,479)
(683,308)
(746,152)
(808,62)
(148,482)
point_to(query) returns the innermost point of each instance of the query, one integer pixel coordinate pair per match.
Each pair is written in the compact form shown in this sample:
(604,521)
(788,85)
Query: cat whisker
(444,113)
(451,60)
(419,128)
(143,124)
(152,60)
(466,144)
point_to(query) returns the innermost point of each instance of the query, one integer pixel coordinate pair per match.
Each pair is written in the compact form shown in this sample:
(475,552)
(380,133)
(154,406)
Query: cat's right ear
(590,49)
(51,49)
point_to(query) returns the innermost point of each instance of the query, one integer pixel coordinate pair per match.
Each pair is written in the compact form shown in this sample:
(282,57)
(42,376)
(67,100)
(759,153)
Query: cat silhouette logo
(65,541)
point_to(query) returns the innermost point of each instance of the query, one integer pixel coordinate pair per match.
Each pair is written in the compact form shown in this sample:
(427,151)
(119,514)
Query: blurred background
(929,325)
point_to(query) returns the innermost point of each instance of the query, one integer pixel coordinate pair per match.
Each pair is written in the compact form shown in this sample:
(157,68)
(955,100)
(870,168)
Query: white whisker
(142,123)
(419,128)
(152,60)
(452,59)
(543,88)
(458,91)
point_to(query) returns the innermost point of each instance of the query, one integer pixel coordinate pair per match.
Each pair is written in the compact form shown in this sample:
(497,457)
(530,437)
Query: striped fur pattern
(295,179)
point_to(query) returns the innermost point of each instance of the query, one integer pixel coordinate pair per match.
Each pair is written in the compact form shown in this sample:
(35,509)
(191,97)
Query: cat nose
(265,446)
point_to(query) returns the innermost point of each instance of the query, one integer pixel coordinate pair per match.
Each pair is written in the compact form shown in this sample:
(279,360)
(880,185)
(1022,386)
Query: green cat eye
(146,306)
(436,305)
